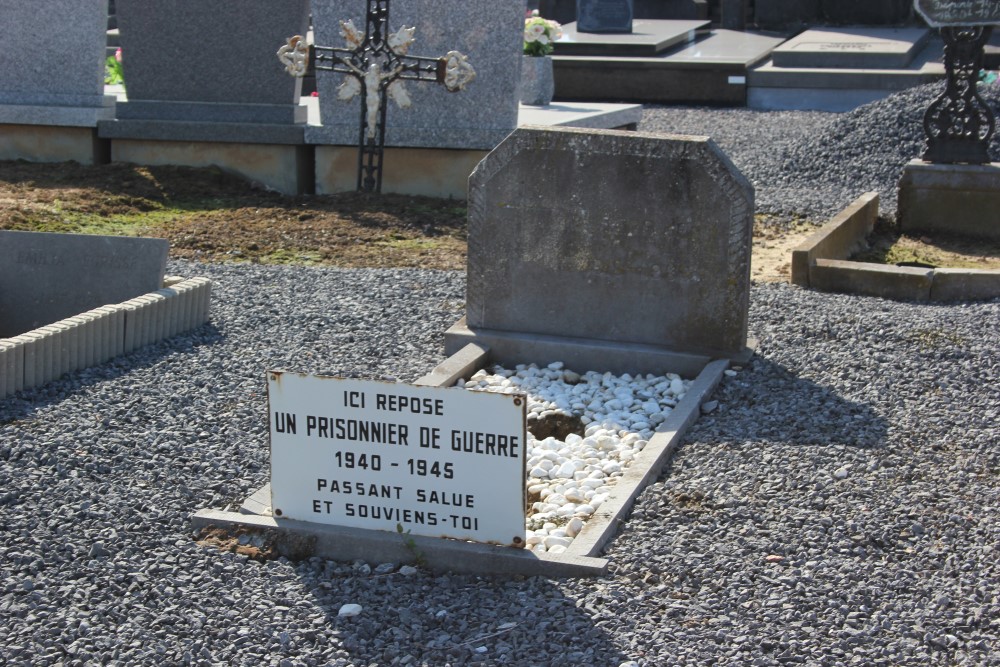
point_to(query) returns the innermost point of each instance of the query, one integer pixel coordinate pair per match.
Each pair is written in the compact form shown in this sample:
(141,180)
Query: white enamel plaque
(442,462)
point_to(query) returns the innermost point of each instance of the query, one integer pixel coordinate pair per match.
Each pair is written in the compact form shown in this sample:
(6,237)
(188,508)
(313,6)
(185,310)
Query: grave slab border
(821,263)
(39,356)
(583,557)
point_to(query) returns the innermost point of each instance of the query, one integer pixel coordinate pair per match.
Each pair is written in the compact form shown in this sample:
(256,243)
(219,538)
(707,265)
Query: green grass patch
(931,339)
(53,218)
(289,257)
(412,244)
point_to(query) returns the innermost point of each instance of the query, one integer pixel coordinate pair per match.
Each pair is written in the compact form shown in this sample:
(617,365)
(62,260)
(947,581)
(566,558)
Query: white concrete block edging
(297,539)
(44,354)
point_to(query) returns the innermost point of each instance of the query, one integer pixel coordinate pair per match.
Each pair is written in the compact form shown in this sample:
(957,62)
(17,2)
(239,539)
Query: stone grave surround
(489,32)
(613,236)
(71,301)
(48,277)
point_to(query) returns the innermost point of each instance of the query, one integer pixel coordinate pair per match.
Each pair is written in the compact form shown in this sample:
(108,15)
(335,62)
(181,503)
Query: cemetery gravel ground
(841,506)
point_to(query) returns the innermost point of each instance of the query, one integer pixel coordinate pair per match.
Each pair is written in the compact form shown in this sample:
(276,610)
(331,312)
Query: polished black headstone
(604,16)
(647,39)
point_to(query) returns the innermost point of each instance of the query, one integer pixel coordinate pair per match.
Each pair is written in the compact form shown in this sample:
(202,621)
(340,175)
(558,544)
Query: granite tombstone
(604,15)
(611,236)
(564,11)
(52,64)
(784,14)
(941,13)
(176,70)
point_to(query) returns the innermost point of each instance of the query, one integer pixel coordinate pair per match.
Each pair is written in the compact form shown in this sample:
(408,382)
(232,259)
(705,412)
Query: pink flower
(118,54)
(314,93)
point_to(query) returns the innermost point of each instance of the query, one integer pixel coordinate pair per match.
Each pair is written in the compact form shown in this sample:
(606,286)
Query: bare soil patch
(213,216)
(210,215)
(886,245)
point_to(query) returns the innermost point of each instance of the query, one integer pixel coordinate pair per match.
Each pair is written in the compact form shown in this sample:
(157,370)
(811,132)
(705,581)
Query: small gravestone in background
(956,174)
(48,277)
(611,236)
(53,63)
(177,71)
(604,15)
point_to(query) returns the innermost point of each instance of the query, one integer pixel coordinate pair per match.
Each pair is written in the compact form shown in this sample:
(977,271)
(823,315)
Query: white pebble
(349,610)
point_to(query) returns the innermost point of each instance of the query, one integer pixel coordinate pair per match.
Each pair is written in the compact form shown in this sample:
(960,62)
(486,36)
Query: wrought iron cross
(377,64)
(959,123)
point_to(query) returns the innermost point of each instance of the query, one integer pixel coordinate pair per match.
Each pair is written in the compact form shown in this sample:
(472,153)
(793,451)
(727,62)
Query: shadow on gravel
(25,403)
(768,402)
(457,620)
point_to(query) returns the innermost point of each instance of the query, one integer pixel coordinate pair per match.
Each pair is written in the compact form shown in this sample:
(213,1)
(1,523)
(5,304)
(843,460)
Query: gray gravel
(813,164)
(840,506)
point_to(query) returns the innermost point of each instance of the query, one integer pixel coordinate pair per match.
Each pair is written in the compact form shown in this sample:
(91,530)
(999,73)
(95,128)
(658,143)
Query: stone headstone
(734,14)
(785,14)
(858,48)
(648,38)
(53,62)
(671,9)
(208,62)
(866,12)
(489,32)
(604,15)
(48,277)
(777,14)
(940,13)
(615,236)
(564,11)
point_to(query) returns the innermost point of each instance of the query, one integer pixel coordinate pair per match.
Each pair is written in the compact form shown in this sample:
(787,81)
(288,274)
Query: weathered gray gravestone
(604,15)
(49,277)
(614,236)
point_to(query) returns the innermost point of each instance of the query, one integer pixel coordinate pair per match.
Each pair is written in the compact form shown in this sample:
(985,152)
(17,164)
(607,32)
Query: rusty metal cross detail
(377,64)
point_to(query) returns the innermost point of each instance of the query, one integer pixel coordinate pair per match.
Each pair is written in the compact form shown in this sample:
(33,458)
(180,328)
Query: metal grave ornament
(959,123)
(377,63)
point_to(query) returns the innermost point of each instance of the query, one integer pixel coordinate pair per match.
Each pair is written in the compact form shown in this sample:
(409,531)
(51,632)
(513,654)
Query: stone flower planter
(209,60)
(537,80)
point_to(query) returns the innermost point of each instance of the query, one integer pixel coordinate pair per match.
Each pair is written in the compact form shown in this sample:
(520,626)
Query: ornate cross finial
(377,63)
(959,123)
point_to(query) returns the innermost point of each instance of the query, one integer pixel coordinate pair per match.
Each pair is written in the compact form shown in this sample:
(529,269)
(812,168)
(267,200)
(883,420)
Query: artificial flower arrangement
(539,34)
(113,69)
